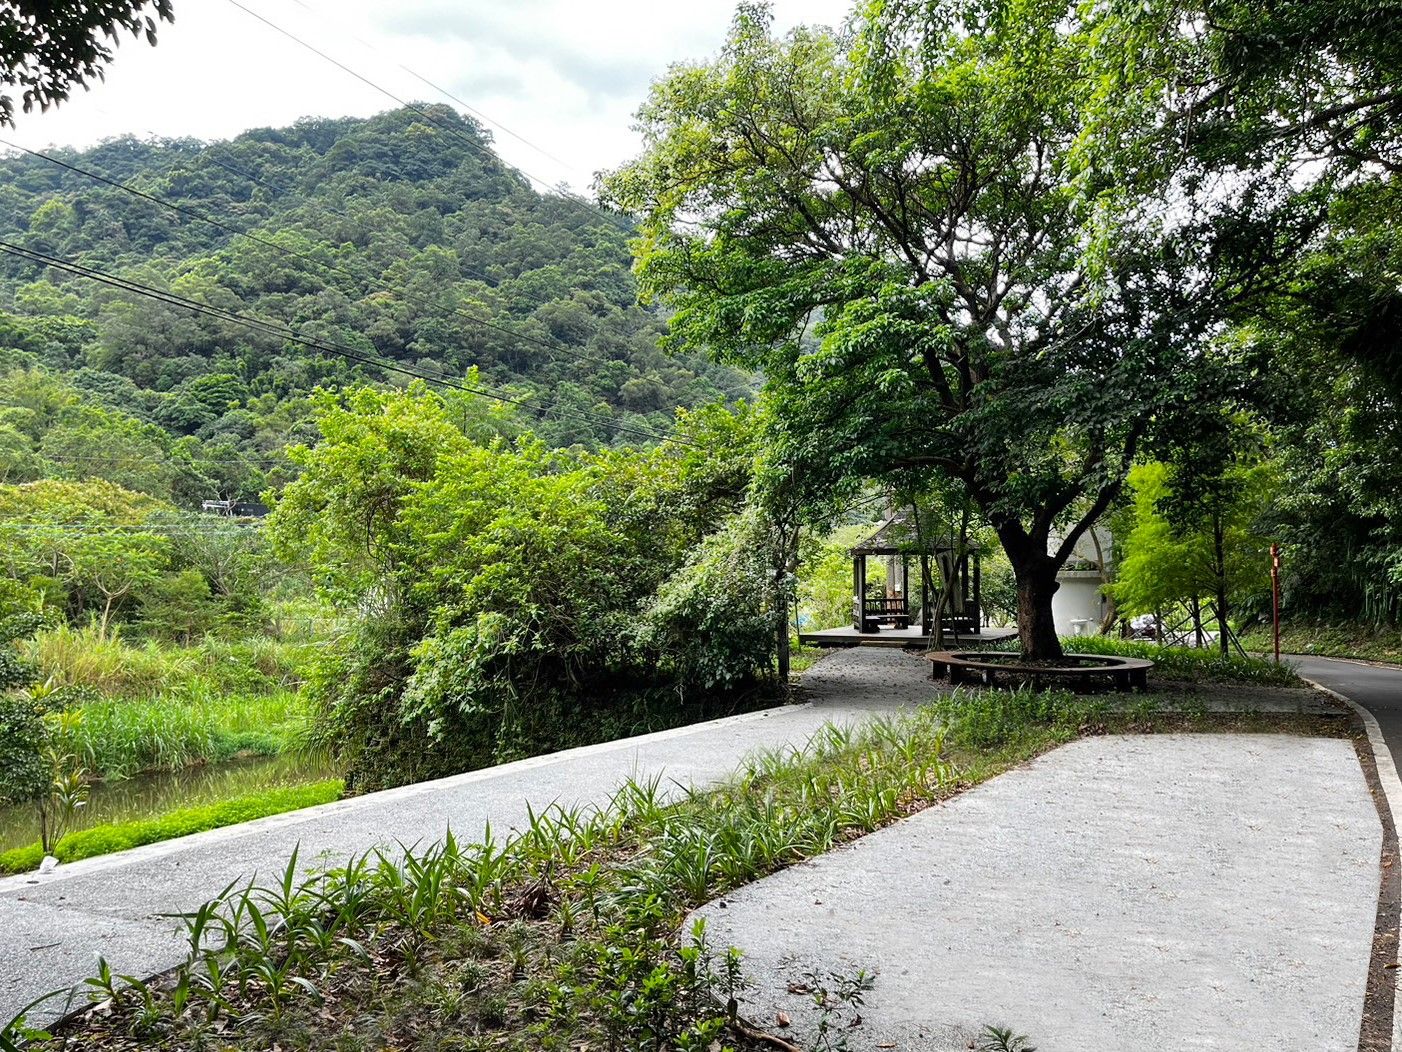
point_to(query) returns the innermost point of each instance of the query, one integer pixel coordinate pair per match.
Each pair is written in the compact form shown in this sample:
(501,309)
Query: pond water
(152,795)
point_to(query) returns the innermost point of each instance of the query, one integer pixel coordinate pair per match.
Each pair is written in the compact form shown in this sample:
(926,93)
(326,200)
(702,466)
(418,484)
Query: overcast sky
(565,75)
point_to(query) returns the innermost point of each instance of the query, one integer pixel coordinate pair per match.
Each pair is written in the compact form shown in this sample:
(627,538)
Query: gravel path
(1124,892)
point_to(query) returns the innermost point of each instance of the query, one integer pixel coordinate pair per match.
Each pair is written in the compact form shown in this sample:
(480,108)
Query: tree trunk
(783,644)
(1195,609)
(785,572)
(1036,629)
(1034,573)
(1220,572)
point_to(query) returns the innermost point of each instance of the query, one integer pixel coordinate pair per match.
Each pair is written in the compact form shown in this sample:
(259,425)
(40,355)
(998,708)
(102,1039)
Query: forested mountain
(400,238)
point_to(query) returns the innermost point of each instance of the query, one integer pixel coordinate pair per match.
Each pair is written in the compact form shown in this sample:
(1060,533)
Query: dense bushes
(24,773)
(515,598)
(712,624)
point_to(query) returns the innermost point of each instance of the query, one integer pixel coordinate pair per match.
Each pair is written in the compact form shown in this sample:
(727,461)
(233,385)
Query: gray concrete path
(52,929)
(1126,893)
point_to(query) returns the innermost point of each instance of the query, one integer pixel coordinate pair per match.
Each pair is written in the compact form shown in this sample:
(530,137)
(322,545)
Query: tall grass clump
(155,707)
(104,661)
(563,934)
(112,665)
(120,737)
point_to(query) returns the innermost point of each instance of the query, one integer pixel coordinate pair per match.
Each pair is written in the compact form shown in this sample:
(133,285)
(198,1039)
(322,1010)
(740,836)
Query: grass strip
(103,840)
(1191,664)
(1342,639)
(565,935)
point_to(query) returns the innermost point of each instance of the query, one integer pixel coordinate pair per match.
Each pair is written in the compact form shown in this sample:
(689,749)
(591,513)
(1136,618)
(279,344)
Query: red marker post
(1275,599)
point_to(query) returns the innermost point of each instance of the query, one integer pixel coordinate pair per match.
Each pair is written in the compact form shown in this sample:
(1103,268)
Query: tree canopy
(902,225)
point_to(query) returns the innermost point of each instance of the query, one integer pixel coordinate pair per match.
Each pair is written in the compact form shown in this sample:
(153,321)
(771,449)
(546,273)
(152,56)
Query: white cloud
(564,75)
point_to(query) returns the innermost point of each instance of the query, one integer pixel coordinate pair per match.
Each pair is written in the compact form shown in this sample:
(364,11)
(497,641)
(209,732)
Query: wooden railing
(886,606)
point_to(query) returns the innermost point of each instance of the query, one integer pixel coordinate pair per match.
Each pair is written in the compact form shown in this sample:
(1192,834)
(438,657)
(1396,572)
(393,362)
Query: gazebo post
(978,593)
(926,623)
(905,587)
(859,611)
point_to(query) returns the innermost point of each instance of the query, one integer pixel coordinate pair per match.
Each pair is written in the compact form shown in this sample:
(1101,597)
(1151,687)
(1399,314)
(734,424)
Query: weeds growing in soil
(562,934)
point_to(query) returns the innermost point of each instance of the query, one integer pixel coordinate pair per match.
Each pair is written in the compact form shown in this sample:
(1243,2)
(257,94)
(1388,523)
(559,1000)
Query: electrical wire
(307,257)
(96,530)
(419,111)
(114,460)
(285,332)
(445,92)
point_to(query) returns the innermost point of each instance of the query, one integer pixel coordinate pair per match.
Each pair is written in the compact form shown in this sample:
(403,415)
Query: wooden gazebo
(898,539)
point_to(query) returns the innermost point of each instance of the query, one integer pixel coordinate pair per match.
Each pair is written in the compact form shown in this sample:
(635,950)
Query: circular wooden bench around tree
(984,667)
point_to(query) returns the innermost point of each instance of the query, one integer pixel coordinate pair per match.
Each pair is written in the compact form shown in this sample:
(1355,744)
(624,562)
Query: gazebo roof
(899,535)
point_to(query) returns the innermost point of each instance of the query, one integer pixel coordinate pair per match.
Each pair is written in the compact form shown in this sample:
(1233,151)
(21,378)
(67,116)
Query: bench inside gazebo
(899,540)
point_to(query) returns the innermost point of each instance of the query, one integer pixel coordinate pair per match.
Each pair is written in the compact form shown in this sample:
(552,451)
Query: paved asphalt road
(1378,688)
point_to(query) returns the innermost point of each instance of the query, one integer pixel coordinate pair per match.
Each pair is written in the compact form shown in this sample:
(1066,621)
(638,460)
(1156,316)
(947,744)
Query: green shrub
(102,840)
(24,772)
(713,624)
(1189,663)
(14,670)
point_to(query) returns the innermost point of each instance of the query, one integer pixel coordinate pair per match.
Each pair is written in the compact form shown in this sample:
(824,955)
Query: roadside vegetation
(1369,642)
(1190,664)
(1027,270)
(563,934)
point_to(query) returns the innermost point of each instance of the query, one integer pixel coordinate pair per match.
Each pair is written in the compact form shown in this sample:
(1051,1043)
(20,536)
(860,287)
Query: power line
(447,94)
(218,224)
(286,332)
(282,331)
(471,143)
(96,528)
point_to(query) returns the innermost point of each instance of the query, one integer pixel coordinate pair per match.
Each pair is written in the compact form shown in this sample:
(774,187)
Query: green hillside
(398,238)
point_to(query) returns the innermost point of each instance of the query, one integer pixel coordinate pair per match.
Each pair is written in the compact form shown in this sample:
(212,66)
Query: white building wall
(1078,606)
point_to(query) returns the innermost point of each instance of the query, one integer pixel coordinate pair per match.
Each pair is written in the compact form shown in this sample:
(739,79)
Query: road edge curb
(1385,770)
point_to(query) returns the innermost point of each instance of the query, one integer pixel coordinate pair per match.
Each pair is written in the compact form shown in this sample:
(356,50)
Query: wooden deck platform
(847,636)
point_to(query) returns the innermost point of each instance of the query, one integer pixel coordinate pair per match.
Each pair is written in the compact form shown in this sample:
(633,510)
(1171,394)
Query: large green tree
(1310,90)
(47,48)
(902,225)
